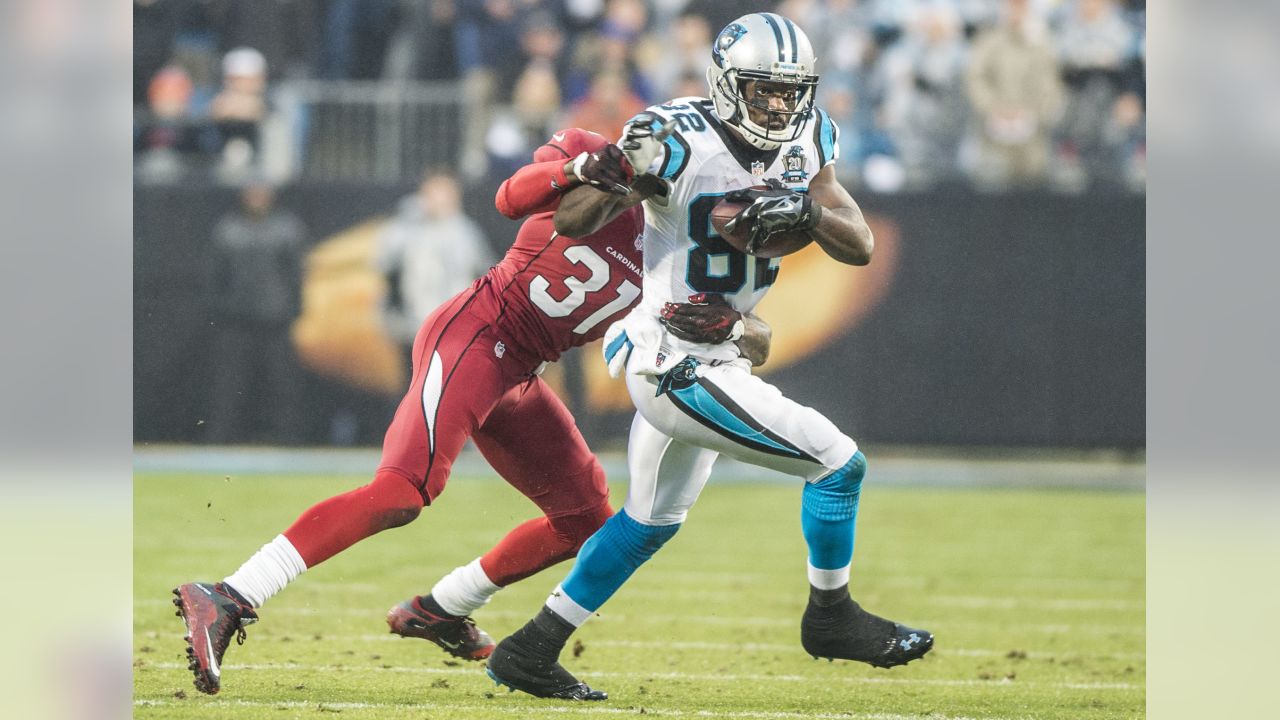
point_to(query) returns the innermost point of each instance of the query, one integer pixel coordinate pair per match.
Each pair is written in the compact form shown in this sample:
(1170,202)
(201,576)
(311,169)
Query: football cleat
(515,667)
(213,614)
(457,636)
(844,631)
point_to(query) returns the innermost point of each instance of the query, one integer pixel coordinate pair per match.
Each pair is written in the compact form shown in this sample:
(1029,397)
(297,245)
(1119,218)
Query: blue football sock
(610,556)
(828,512)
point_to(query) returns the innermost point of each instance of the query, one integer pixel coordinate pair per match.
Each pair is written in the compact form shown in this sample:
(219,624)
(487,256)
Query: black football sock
(834,623)
(544,637)
(827,598)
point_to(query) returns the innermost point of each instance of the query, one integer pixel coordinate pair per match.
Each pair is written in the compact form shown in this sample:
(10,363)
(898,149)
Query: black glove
(605,169)
(706,318)
(773,211)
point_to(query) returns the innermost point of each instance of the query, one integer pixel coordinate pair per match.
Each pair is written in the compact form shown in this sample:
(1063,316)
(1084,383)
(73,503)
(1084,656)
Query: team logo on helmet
(793,165)
(728,37)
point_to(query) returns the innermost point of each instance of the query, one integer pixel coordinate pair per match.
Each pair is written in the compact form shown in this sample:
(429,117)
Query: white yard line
(692,677)
(574,709)
(792,649)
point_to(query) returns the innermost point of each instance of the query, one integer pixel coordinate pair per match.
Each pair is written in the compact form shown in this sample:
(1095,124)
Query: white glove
(653,358)
(641,143)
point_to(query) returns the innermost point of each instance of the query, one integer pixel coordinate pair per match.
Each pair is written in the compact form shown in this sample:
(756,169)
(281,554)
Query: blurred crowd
(994,93)
(427,250)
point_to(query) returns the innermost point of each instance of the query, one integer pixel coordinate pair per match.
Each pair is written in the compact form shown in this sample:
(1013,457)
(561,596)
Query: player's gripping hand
(777,209)
(606,169)
(706,318)
(641,143)
(773,187)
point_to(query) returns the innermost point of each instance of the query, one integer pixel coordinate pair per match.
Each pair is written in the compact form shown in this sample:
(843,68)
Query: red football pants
(469,381)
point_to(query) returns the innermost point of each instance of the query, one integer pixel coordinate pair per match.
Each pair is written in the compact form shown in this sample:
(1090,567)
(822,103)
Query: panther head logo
(728,37)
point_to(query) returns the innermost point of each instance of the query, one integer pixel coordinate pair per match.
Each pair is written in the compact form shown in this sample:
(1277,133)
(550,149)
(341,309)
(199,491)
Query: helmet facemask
(728,90)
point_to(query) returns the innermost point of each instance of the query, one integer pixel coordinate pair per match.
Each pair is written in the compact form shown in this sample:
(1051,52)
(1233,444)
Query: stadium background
(998,314)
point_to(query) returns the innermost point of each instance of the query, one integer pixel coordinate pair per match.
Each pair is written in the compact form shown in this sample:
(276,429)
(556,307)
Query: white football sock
(268,571)
(464,590)
(561,604)
(828,579)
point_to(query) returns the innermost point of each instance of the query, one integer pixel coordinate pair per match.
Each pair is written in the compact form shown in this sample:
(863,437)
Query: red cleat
(213,615)
(457,636)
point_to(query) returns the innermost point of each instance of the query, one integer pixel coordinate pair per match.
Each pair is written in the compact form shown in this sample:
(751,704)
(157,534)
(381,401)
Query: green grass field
(1036,598)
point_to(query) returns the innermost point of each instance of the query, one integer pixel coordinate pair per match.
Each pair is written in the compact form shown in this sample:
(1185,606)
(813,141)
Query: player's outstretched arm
(842,231)
(584,209)
(582,213)
(535,188)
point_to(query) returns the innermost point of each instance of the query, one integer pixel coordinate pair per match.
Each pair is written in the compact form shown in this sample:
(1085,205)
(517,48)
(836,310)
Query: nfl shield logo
(757,168)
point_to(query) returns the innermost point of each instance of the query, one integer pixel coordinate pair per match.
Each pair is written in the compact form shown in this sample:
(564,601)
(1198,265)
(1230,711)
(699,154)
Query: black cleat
(213,614)
(843,630)
(457,636)
(525,661)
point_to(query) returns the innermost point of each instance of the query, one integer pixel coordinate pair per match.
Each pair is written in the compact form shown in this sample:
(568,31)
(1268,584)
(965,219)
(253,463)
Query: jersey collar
(742,152)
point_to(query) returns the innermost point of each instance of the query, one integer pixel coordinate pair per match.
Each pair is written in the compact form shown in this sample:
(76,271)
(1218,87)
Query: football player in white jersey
(695,395)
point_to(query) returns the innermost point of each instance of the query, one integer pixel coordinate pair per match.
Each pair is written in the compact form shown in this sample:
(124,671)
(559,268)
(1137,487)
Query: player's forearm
(842,231)
(845,235)
(755,341)
(535,188)
(584,209)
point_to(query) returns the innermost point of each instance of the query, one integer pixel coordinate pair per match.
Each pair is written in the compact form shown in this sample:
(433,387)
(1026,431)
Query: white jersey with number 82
(683,254)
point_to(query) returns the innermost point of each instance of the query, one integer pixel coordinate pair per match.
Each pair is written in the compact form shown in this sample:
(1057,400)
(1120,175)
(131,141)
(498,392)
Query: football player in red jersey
(476,370)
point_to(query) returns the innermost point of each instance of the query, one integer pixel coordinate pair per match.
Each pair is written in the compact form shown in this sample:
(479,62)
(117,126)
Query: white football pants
(677,436)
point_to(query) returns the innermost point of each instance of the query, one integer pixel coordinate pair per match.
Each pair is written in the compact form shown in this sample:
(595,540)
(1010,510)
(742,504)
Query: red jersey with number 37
(558,292)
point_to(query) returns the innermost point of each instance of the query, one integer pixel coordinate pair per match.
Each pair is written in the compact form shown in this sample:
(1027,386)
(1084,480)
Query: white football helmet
(768,47)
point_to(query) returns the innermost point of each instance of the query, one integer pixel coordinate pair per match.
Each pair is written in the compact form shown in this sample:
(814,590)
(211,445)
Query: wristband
(815,215)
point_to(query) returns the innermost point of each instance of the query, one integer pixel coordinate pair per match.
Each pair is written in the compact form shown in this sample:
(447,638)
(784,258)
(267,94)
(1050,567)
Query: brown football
(779,244)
